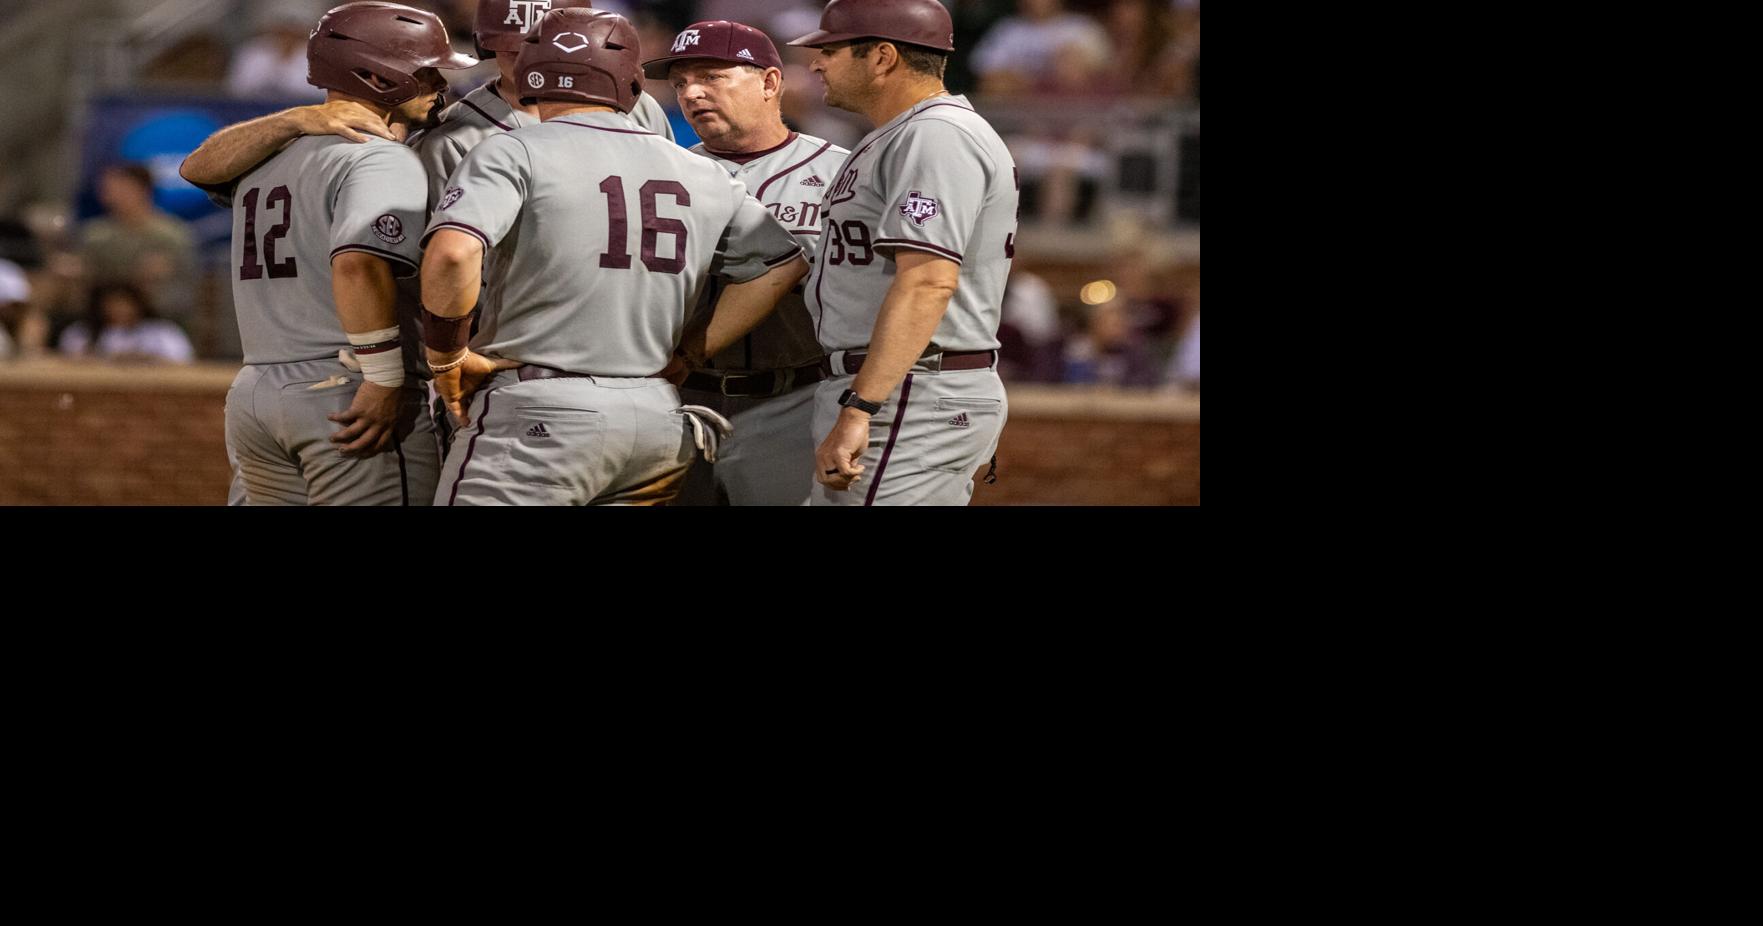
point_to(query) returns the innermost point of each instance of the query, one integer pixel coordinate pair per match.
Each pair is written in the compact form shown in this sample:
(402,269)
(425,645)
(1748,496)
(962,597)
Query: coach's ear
(774,83)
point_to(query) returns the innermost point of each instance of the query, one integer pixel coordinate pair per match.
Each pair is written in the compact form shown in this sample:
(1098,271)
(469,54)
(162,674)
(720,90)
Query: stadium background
(1100,103)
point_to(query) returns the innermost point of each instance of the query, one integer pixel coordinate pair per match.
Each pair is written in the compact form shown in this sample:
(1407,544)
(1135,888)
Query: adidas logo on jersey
(959,421)
(743,53)
(814,181)
(538,430)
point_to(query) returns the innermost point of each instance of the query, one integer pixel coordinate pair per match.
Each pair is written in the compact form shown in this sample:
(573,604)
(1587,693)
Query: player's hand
(458,385)
(835,463)
(345,118)
(370,425)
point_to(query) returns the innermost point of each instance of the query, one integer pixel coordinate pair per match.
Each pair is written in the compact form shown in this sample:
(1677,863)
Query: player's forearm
(365,292)
(741,308)
(910,313)
(451,273)
(230,152)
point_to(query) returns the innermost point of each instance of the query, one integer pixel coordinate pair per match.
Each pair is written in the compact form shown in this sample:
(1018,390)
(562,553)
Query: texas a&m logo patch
(919,208)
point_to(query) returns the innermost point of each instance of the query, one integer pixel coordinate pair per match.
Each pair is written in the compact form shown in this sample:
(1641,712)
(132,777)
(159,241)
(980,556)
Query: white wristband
(383,367)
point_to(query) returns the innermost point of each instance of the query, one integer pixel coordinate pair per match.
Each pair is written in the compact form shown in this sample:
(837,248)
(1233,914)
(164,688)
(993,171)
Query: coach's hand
(371,421)
(835,463)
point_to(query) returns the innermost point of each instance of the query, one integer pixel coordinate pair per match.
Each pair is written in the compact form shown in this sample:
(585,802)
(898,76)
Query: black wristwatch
(852,400)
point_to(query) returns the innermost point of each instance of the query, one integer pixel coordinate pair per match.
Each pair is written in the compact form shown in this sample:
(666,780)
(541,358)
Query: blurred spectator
(1062,174)
(137,244)
(273,64)
(1109,352)
(1156,47)
(18,245)
(1042,48)
(1147,296)
(973,19)
(128,330)
(1184,368)
(23,331)
(1029,332)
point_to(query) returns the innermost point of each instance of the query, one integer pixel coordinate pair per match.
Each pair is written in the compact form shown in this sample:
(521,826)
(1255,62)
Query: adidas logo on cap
(959,421)
(814,181)
(538,430)
(743,53)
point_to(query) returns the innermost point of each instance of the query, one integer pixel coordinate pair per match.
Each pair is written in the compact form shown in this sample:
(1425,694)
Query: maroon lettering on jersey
(844,190)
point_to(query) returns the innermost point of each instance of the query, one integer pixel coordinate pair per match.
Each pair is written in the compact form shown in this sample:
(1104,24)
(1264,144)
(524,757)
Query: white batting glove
(709,429)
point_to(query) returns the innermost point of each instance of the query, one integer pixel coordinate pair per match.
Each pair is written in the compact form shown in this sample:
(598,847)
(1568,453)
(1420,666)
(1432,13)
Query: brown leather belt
(754,385)
(947,360)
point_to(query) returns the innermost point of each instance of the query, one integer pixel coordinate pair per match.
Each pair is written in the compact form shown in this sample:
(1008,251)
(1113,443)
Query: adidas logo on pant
(538,430)
(959,421)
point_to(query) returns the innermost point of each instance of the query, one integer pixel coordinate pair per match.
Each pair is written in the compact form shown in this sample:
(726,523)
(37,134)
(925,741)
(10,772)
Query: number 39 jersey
(600,234)
(936,179)
(319,197)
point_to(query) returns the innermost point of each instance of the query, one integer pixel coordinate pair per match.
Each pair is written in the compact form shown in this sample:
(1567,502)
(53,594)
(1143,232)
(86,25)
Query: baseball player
(441,144)
(729,81)
(599,235)
(908,290)
(319,231)
(495,107)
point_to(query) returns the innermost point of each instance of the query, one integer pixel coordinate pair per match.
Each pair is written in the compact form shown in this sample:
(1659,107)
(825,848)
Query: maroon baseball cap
(718,40)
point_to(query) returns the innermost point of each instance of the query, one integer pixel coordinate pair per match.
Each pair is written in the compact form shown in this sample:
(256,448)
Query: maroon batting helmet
(915,22)
(503,24)
(581,56)
(358,41)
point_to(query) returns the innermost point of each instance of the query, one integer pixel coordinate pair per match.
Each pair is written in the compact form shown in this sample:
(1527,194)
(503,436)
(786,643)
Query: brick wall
(78,434)
(1072,446)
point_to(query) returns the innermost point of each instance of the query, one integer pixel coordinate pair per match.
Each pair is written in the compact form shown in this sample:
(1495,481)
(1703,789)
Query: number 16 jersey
(600,235)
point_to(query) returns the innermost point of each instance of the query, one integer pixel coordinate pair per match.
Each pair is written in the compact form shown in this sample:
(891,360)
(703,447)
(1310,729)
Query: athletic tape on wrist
(381,356)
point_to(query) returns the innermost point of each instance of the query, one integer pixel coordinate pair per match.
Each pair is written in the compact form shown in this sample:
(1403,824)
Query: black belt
(754,385)
(947,360)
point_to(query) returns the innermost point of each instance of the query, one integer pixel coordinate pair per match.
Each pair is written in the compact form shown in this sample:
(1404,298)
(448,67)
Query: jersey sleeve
(648,114)
(934,186)
(441,154)
(220,194)
(484,193)
(754,241)
(379,204)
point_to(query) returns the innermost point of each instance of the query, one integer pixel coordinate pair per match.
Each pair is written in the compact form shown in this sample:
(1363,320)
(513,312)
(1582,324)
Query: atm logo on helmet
(525,13)
(685,40)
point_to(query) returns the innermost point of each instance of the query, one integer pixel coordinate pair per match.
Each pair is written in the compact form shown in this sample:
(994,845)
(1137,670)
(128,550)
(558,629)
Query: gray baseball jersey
(600,236)
(482,113)
(938,179)
(317,198)
(790,180)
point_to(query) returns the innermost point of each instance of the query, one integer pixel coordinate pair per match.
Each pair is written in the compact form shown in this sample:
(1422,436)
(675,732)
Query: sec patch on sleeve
(391,230)
(919,208)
